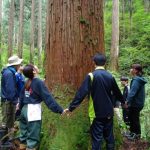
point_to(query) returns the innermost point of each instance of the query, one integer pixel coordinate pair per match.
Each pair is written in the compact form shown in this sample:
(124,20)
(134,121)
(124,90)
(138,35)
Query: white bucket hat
(14,60)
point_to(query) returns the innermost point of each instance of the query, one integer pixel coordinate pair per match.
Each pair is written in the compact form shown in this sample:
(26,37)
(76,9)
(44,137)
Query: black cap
(99,59)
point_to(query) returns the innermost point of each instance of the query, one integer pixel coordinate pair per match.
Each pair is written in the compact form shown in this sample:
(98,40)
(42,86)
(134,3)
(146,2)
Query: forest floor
(135,145)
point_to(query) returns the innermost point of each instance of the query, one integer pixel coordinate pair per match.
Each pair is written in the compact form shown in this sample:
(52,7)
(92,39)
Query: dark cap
(123,78)
(99,59)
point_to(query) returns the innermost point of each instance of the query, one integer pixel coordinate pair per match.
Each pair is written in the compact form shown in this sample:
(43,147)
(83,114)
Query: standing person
(30,104)
(20,84)
(9,94)
(135,100)
(101,86)
(125,111)
(20,79)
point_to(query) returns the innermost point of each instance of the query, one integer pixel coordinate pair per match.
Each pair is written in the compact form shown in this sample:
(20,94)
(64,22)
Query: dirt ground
(135,145)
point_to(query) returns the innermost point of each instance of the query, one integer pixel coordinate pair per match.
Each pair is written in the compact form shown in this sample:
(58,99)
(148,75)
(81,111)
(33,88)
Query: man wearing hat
(101,86)
(9,95)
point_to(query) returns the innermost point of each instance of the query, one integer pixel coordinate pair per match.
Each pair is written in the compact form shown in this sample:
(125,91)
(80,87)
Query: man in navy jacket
(9,95)
(102,87)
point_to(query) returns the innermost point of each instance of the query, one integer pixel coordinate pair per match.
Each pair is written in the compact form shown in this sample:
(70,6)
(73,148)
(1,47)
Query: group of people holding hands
(100,86)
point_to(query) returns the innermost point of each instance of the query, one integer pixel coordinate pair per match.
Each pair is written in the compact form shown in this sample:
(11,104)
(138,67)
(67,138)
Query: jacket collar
(100,67)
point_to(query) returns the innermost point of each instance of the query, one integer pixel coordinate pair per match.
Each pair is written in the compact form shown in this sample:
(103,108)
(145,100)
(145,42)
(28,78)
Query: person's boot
(30,149)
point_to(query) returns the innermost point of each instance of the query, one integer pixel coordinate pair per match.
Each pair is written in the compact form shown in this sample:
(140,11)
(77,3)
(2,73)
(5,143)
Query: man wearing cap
(101,86)
(9,95)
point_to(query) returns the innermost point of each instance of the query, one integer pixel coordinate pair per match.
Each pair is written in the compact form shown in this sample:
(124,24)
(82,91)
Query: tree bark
(10,28)
(0,33)
(114,52)
(32,33)
(75,32)
(39,33)
(20,36)
(130,14)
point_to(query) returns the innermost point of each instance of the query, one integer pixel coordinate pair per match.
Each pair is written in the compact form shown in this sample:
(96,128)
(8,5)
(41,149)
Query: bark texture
(114,53)
(74,33)
(20,36)
(11,28)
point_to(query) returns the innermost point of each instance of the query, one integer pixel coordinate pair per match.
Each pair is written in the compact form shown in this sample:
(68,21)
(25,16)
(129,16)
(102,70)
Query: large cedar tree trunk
(75,32)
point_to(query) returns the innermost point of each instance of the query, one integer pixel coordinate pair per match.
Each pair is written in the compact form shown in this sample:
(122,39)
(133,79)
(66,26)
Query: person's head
(99,59)
(136,69)
(29,71)
(14,61)
(124,80)
(36,69)
(20,70)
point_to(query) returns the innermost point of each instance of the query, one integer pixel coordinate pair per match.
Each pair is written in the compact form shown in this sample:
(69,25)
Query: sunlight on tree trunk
(75,32)
(114,52)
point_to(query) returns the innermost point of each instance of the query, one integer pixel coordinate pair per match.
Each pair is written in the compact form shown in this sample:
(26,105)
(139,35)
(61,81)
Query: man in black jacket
(102,87)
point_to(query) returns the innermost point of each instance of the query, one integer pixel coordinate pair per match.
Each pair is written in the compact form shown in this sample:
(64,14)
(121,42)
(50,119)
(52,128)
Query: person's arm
(133,90)
(10,86)
(48,98)
(81,93)
(117,92)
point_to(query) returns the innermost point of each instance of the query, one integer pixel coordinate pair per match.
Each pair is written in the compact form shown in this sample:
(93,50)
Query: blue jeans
(102,128)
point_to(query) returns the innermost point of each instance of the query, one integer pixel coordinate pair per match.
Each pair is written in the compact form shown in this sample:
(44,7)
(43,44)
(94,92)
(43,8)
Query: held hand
(66,112)
(17,106)
(125,106)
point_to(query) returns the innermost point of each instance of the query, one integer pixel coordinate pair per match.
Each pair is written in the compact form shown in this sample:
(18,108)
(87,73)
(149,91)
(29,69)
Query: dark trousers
(134,118)
(102,128)
(29,131)
(125,113)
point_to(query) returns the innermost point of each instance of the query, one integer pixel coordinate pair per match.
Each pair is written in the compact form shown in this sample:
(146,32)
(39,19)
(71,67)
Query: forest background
(134,47)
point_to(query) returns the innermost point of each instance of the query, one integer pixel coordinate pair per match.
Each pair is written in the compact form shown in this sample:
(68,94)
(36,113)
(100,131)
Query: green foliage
(62,133)
(134,42)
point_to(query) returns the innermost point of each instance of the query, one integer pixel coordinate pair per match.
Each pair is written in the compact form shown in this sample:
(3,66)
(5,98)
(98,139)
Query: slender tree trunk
(0,33)
(123,17)
(20,36)
(130,14)
(114,53)
(147,5)
(75,32)
(39,33)
(10,29)
(32,33)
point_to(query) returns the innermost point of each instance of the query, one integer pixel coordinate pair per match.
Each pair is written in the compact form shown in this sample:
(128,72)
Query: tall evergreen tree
(75,32)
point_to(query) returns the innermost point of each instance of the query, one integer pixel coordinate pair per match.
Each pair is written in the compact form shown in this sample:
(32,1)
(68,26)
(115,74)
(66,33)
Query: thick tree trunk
(11,27)
(39,33)
(74,34)
(32,33)
(20,37)
(114,53)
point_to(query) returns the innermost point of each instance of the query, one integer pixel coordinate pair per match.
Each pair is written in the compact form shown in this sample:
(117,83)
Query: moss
(68,133)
